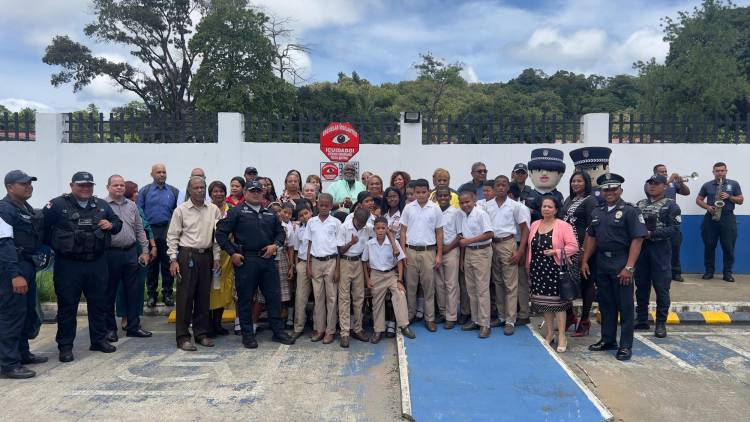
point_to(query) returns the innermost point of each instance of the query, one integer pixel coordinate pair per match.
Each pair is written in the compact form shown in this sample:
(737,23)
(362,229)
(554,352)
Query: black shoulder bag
(569,278)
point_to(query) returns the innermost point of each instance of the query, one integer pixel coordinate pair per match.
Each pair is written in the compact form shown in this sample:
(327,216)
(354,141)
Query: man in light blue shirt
(344,190)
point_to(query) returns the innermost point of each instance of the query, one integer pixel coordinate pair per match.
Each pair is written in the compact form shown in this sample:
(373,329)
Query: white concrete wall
(54,161)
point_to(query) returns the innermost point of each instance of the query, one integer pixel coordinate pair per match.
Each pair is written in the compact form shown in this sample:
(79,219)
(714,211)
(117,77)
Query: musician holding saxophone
(719,197)
(676,185)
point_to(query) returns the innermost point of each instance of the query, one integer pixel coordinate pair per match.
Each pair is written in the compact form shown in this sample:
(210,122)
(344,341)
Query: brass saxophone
(718,202)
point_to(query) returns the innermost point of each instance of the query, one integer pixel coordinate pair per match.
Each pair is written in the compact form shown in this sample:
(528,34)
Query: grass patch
(45,287)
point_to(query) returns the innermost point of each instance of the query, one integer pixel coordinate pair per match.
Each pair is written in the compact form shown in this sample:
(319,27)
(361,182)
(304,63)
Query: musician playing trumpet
(675,185)
(719,197)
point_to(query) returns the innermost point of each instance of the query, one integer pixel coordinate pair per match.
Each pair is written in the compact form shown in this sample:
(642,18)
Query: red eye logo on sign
(339,142)
(329,171)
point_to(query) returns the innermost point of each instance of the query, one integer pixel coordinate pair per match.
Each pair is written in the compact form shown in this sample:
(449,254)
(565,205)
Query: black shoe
(151,302)
(449,325)
(641,326)
(32,359)
(219,330)
(283,338)
(19,373)
(708,276)
(601,346)
(168,300)
(66,355)
(112,337)
(407,332)
(661,330)
(463,319)
(677,277)
(497,322)
(344,342)
(624,353)
(139,332)
(728,277)
(522,321)
(103,347)
(249,342)
(439,319)
(390,332)
(469,326)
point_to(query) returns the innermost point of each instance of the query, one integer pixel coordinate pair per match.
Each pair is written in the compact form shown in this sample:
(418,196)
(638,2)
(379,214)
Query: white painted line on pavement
(403,376)
(664,352)
(603,411)
(721,341)
(711,333)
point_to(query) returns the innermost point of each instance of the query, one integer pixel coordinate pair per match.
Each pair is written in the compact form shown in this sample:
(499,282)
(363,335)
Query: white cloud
(105,93)
(309,14)
(16,104)
(642,44)
(470,75)
(548,44)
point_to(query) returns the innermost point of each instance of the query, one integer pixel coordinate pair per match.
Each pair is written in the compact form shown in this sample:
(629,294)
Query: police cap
(18,176)
(83,178)
(520,167)
(610,180)
(254,185)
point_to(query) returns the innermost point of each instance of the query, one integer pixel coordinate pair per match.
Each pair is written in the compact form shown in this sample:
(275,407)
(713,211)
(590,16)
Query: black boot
(661,329)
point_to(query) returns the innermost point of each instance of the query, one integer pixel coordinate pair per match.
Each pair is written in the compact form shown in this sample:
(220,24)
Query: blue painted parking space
(453,375)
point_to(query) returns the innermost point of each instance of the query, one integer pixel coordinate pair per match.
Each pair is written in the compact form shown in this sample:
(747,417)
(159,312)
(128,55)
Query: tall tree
(156,31)
(436,76)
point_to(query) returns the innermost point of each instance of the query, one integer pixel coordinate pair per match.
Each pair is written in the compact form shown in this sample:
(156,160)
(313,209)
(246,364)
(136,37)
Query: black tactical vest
(77,234)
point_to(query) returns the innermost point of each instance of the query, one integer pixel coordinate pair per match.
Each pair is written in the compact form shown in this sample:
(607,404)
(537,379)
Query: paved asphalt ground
(698,373)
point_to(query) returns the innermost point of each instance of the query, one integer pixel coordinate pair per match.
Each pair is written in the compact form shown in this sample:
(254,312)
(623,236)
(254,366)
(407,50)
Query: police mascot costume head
(593,161)
(546,169)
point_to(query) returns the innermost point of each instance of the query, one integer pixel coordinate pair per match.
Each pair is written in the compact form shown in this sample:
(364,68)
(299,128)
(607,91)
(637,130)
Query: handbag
(569,282)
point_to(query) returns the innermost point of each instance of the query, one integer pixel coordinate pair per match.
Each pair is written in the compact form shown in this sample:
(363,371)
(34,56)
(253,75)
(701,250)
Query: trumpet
(693,176)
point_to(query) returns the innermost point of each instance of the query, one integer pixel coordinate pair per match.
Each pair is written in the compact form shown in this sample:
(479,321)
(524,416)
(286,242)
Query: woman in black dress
(576,211)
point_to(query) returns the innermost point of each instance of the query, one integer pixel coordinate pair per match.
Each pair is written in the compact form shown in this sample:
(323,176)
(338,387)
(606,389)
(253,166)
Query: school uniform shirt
(370,222)
(323,236)
(421,223)
(299,243)
(506,218)
(475,223)
(526,217)
(451,224)
(346,231)
(394,223)
(380,257)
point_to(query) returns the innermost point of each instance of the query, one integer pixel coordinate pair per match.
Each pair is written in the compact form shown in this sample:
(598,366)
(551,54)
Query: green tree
(434,77)
(156,31)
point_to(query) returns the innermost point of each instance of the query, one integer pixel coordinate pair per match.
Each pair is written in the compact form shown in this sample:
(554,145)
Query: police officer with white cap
(616,233)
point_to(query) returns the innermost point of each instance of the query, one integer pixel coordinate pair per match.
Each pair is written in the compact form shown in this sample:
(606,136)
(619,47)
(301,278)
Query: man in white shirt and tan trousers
(422,239)
(193,254)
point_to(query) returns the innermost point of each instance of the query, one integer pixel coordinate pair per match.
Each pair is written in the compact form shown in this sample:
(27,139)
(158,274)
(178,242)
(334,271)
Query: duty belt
(502,239)
(350,258)
(422,248)
(612,254)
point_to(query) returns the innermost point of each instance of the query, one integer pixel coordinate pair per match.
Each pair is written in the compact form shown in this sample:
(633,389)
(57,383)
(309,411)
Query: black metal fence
(17,127)
(502,130)
(304,129)
(634,128)
(194,127)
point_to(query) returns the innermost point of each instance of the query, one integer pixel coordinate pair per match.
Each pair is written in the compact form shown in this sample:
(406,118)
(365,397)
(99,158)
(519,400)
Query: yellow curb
(672,317)
(716,317)
(228,316)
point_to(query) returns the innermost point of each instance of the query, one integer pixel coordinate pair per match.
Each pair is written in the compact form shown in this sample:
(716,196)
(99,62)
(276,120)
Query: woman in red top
(236,191)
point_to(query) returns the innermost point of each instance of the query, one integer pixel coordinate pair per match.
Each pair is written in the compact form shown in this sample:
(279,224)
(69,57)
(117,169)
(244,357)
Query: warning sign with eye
(339,142)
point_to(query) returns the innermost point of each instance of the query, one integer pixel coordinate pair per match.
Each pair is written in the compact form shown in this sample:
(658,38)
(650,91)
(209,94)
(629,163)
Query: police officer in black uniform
(258,236)
(78,227)
(616,232)
(662,216)
(20,230)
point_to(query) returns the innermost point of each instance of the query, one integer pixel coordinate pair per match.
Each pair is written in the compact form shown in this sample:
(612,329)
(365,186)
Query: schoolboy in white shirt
(384,272)
(446,277)
(352,238)
(323,267)
(304,286)
(476,239)
(422,239)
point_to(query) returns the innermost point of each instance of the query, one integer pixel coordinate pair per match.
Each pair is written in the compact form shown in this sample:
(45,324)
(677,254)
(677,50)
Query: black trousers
(676,242)
(122,266)
(653,270)
(17,317)
(713,232)
(614,299)
(258,272)
(193,294)
(73,277)
(160,264)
